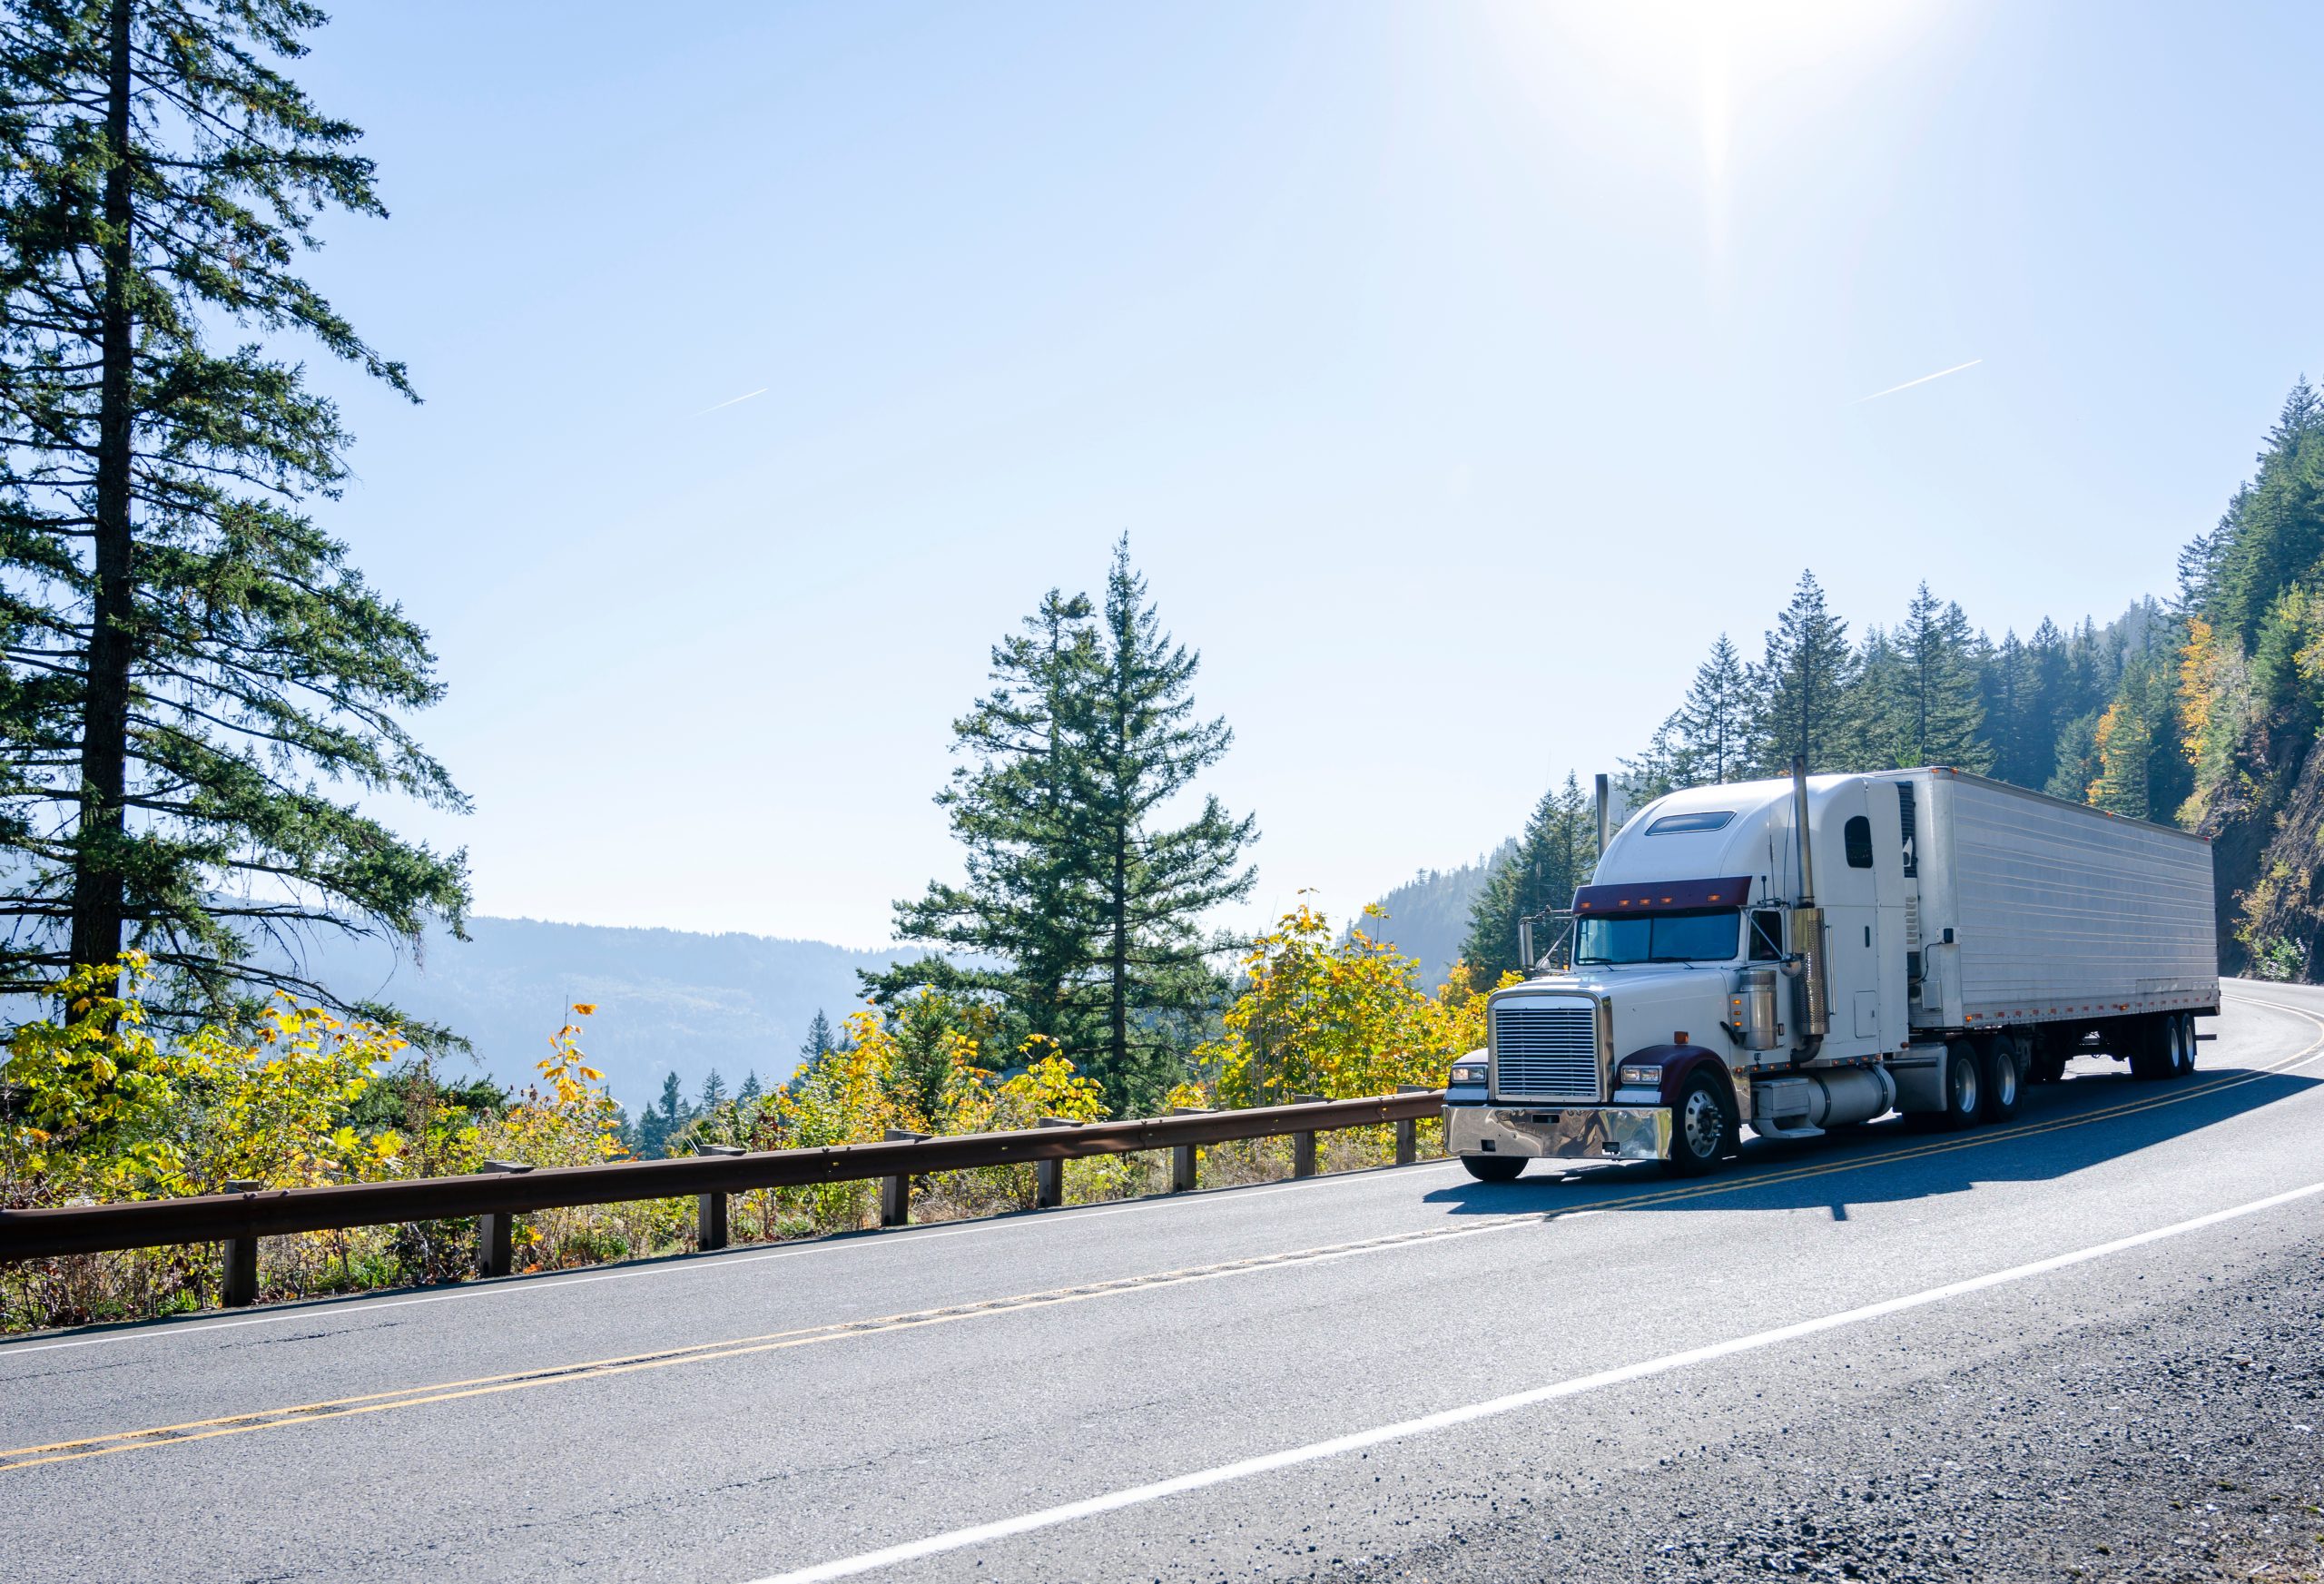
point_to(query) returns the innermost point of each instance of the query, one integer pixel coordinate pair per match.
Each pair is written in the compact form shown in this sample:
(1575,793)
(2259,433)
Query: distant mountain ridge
(1428,915)
(667,1000)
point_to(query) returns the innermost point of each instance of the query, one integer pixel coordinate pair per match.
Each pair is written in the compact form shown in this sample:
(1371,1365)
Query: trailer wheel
(2150,1053)
(2183,1045)
(1997,1076)
(1703,1129)
(1963,1088)
(1493,1168)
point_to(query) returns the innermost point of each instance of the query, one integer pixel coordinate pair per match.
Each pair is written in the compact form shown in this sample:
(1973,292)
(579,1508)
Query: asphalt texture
(1804,1366)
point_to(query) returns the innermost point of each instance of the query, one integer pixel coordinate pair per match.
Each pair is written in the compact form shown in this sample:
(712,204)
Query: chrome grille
(1544,1053)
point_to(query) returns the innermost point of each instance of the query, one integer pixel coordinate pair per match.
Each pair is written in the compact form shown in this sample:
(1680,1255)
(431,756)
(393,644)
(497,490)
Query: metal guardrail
(510,1188)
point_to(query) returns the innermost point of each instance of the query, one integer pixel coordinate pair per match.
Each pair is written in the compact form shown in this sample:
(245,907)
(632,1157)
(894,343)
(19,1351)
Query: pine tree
(1712,720)
(2273,534)
(1876,732)
(1151,883)
(190,662)
(818,1043)
(1800,687)
(662,1120)
(1942,714)
(2001,687)
(1082,905)
(713,1093)
(751,1088)
(1554,858)
(1017,808)
(1655,772)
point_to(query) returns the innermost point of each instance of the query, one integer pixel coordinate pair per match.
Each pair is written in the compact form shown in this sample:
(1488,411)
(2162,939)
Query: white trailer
(1807,954)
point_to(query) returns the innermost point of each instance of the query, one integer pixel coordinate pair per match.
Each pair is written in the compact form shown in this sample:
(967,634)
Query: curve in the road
(190,1431)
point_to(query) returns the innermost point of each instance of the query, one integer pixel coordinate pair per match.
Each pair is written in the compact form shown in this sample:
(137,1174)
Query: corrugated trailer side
(2061,911)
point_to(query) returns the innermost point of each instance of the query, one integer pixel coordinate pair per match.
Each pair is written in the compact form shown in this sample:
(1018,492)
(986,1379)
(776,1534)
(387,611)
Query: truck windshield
(1708,937)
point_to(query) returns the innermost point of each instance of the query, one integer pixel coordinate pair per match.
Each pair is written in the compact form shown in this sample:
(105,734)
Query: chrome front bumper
(1572,1133)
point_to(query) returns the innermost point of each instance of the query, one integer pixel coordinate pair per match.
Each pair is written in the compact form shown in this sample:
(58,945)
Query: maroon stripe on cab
(1665,896)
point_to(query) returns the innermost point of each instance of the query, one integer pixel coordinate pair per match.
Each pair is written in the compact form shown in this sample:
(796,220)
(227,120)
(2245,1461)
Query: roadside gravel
(2185,1442)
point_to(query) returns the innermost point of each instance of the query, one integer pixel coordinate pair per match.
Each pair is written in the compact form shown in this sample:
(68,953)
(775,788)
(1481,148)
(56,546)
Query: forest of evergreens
(2199,709)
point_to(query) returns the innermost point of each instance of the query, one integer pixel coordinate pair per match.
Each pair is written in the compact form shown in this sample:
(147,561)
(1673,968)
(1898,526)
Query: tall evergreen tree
(1082,902)
(1711,723)
(1151,881)
(190,662)
(2273,534)
(1875,733)
(1553,858)
(661,1121)
(713,1093)
(1018,809)
(1800,687)
(818,1043)
(1941,716)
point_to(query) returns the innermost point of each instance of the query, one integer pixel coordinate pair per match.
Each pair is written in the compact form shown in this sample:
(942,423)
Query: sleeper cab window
(1679,824)
(1856,837)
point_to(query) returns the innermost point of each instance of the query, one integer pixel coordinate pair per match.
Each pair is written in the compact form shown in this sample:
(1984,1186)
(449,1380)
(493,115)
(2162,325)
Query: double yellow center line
(198,1430)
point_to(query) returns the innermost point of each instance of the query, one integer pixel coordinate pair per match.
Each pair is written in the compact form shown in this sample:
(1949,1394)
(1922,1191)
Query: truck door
(1847,887)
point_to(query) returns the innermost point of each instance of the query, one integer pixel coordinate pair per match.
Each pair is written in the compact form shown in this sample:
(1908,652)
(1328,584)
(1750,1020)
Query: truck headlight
(1644,1076)
(1468,1072)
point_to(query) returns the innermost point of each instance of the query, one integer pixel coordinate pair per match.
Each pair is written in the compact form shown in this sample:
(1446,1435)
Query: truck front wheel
(1703,1129)
(1493,1168)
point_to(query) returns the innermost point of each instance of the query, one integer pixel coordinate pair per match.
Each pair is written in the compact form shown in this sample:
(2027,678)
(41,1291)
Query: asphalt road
(1392,1374)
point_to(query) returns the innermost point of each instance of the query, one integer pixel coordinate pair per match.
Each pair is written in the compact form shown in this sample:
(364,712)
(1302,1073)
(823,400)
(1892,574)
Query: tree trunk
(97,880)
(1120,1031)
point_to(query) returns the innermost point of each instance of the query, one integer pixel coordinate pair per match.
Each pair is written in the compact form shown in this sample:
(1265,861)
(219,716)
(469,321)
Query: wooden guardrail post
(1408,1128)
(1182,1156)
(1303,1142)
(495,1241)
(895,1193)
(710,1209)
(239,1286)
(1048,1175)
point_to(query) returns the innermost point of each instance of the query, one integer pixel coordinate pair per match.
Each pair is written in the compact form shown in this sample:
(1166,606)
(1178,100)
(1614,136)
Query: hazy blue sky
(1458,372)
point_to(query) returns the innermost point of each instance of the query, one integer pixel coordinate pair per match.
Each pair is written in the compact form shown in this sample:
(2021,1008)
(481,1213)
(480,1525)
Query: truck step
(1772,1129)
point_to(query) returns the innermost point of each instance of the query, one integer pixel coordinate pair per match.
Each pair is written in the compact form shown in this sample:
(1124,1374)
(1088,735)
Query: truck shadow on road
(2060,1129)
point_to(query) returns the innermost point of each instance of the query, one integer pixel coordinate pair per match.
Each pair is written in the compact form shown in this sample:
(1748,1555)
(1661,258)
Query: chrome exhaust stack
(1811,992)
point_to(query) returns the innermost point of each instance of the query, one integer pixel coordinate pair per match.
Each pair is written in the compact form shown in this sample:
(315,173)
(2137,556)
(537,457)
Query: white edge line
(1201,1478)
(713,1266)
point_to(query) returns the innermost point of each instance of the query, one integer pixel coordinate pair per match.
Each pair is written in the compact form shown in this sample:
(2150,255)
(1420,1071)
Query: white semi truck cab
(1805,955)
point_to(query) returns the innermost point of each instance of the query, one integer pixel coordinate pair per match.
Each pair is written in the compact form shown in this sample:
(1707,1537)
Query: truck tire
(1998,1077)
(1704,1130)
(2183,1045)
(1965,1088)
(2149,1044)
(1493,1168)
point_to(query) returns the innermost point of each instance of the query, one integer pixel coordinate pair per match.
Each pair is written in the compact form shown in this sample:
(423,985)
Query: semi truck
(1806,955)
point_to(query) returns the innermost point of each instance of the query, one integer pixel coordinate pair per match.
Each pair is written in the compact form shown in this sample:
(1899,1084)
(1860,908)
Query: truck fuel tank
(1832,1099)
(1751,1014)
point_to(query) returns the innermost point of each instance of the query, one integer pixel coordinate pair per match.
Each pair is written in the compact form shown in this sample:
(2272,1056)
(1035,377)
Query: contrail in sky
(761,391)
(1924,380)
